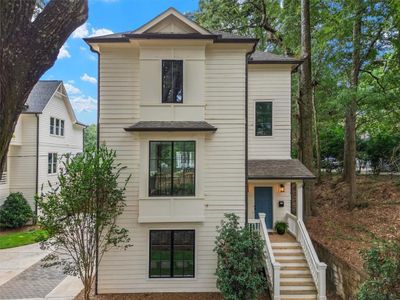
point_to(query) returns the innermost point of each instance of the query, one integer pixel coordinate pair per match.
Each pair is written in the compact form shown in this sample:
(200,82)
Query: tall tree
(306,107)
(351,110)
(29,44)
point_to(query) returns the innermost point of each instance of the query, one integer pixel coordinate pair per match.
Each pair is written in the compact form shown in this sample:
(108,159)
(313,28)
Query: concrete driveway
(23,277)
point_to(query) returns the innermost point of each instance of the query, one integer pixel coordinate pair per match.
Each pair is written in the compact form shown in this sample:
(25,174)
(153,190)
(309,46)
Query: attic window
(56,126)
(172,81)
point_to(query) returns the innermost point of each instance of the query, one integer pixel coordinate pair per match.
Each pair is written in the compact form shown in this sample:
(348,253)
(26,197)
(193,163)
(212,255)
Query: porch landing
(278,238)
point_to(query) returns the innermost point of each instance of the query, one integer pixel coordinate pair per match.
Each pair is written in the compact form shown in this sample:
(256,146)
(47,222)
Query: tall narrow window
(62,127)
(172,168)
(52,163)
(172,81)
(263,117)
(51,125)
(57,126)
(171,253)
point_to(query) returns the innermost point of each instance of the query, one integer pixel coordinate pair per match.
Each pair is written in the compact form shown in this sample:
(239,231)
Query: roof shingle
(41,95)
(278,169)
(171,126)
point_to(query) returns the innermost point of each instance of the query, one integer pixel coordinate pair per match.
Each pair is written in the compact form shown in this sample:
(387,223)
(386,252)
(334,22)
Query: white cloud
(92,57)
(87,78)
(63,53)
(71,89)
(86,30)
(81,32)
(100,31)
(84,103)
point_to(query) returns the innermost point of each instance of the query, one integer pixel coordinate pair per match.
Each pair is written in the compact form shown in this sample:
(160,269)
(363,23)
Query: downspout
(37,165)
(246,134)
(98,145)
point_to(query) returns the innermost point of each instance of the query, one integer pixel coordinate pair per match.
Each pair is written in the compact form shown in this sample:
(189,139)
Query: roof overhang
(157,126)
(283,169)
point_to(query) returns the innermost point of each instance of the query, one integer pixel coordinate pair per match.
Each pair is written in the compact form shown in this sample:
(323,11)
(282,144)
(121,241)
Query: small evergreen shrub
(15,211)
(382,263)
(240,260)
(281,227)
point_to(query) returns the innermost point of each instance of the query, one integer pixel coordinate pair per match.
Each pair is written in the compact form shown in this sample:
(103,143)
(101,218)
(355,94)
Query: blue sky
(77,65)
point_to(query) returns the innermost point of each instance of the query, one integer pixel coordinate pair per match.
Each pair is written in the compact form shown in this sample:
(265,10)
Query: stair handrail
(317,268)
(273,267)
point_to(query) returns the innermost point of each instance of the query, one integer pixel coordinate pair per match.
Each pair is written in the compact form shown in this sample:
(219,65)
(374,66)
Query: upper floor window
(172,168)
(56,126)
(263,117)
(52,163)
(172,81)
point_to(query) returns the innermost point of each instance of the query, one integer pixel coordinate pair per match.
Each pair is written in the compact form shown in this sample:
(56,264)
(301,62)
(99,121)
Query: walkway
(23,277)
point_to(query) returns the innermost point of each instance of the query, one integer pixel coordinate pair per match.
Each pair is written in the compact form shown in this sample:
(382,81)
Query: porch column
(299,202)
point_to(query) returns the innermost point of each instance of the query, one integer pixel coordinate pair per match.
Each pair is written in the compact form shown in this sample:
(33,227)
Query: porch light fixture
(282,188)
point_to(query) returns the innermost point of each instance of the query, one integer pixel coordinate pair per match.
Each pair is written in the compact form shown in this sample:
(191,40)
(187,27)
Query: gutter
(97,145)
(37,164)
(246,134)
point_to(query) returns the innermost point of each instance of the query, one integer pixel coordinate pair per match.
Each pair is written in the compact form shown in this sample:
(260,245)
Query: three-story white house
(203,123)
(46,130)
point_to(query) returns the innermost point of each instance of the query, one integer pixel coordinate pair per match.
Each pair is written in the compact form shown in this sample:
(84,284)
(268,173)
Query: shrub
(15,211)
(281,227)
(240,260)
(382,263)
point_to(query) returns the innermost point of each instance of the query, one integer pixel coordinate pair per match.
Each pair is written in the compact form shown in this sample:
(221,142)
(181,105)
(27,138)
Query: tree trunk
(317,140)
(350,121)
(305,106)
(28,48)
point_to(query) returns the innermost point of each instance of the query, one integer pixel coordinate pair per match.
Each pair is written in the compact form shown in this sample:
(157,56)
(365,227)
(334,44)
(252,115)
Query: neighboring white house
(46,130)
(203,124)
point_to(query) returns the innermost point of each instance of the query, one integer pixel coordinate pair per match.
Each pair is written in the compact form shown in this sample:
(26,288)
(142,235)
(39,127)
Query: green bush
(15,211)
(281,227)
(382,263)
(240,261)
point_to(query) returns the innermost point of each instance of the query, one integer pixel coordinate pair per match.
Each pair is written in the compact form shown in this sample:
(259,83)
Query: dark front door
(263,204)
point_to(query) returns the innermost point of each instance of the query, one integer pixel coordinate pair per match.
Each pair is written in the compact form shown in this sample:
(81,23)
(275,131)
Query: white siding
(71,142)
(222,172)
(272,83)
(22,160)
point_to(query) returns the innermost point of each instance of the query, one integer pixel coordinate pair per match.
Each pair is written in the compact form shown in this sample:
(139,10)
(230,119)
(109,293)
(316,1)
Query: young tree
(240,253)
(90,137)
(81,214)
(29,44)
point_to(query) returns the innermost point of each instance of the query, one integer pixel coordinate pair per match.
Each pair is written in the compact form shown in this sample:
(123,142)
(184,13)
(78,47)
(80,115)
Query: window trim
(55,126)
(195,170)
(52,163)
(172,255)
(255,119)
(183,77)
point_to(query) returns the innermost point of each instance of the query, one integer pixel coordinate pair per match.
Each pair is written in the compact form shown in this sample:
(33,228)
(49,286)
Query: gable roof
(171,24)
(41,95)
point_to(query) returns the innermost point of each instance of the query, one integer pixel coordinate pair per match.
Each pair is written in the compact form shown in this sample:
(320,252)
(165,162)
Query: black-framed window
(263,117)
(172,81)
(172,168)
(172,253)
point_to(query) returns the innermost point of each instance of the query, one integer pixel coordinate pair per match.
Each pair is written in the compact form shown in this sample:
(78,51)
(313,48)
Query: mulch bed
(347,232)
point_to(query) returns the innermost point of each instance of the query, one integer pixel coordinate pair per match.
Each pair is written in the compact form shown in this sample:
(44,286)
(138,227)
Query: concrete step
(298,297)
(299,288)
(295,268)
(291,260)
(297,278)
(289,254)
(299,292)
(286,244)
(300,283)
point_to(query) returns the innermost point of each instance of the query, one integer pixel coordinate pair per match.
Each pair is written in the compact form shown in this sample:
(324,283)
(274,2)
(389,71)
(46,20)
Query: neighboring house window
(4,176)
(263,117)
(172,81)
(172,168)
(56,126)
(52,163)
(52,121)
(171,253)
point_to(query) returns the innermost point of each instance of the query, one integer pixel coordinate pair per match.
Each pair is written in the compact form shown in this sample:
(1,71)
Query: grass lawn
(15,239)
